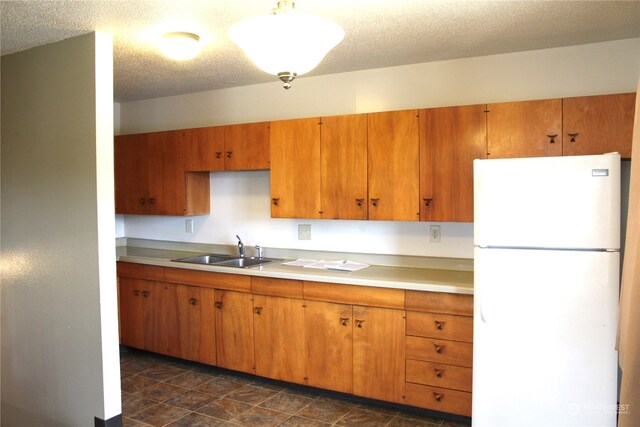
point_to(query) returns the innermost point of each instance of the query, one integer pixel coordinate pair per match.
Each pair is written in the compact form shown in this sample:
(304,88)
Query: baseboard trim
(111,422)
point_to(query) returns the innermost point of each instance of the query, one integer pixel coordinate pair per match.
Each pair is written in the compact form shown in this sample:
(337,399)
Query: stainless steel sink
(226,260)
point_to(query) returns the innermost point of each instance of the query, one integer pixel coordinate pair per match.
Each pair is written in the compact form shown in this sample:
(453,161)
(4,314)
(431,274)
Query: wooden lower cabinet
(234,330)
(136,312)
(279,338)
(378,353)
(329,345)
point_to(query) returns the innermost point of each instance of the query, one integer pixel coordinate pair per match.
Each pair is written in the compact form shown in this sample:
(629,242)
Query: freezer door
(544,338)
(548,202)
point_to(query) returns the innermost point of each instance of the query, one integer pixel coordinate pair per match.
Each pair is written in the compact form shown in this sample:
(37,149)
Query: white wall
(59,313)
(240,201)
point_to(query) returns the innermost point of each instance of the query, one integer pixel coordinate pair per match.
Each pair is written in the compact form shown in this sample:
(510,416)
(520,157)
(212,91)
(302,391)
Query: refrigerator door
(544,338)
(548,202)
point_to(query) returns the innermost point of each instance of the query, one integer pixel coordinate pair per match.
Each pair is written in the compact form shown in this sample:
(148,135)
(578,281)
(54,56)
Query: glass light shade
(181,45)
(289,42)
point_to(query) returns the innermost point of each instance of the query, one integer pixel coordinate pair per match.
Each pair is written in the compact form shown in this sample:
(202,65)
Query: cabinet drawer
(276,287)
(439,351)
(440,302)
(140,271)
(357,295)
(438,399)
(443,326)
(439,375)
(207,279)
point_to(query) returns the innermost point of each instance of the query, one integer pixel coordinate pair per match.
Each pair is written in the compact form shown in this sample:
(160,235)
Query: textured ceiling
(377,34)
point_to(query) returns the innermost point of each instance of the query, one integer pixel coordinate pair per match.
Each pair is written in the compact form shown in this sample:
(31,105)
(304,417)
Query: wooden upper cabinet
(295,168)
(131,174)
(598,124)
(246,146)
(206,152)
(524,129)
(344,166)
(450,139)
(393,165)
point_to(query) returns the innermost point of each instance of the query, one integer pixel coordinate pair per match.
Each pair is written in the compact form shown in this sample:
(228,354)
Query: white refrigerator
(546,274)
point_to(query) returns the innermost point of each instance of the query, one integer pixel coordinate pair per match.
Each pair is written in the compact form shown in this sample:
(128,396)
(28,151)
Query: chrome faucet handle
(240,246)
(260,250)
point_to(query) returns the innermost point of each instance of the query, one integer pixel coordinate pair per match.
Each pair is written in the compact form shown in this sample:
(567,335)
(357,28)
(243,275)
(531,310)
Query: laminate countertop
(420,279)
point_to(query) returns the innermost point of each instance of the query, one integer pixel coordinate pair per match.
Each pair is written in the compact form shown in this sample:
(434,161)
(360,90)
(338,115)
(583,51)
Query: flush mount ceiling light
(181,45)
(286,43)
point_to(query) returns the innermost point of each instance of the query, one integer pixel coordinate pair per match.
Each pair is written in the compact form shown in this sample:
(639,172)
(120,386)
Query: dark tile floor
(159,391)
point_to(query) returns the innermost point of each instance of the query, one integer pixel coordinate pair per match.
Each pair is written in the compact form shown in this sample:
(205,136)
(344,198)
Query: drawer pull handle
(258,310)
(427,202)
(573,136)
(136,292)
(275,201)
(218,154)
(344,321)
(439,325)
(438,396)
(375,202)
(218,304)
(193,301)
(359,202)
(439,348)
(142,201)
(359,323)
(552,138)
(439,373)
(229,153)
(152,201)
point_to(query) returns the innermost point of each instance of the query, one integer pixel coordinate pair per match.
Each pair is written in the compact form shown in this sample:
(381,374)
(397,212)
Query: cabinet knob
(344,321)
(229,153)
(438,396)
(359,202)
(359,323)
(573,136)
(427,202)
(375,202)
(193,301)
(439,373)
(152,201)
(439,325)
(218,154)
(275,201)
(142,201)
(146,293)
(552,138)
(136,292)
(439,348)
(258,310)
(218,304)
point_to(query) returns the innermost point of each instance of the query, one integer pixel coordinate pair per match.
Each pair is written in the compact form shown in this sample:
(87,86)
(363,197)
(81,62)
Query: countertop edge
(278,271)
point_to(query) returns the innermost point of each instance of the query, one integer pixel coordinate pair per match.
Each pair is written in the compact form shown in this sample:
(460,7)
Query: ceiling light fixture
(286,43)
(181,45)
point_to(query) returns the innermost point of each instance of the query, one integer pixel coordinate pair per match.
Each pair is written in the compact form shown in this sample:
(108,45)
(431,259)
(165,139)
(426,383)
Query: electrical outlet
(434,234)
(304,231)
(188,225)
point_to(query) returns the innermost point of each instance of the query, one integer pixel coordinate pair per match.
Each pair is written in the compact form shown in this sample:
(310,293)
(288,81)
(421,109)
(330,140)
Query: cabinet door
(598,124)
(279,338)
(378,353)
(329,345)
(166,322)
(136,312)
(524,129)
(450,139)
(344,167)
(295,168)
(196,324)
(246,146)
(234,330)
(393,166)
(206,151)
(131,174)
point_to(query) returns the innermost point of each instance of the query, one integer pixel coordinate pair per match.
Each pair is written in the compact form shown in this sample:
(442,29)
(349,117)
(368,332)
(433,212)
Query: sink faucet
(260,251)
(240,246)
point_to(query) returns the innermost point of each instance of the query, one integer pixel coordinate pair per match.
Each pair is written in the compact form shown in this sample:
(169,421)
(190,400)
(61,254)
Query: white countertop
(420,279)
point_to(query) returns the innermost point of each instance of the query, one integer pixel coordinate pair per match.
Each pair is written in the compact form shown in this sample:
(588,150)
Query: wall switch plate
(188,225)
(434,234)
(304,231)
